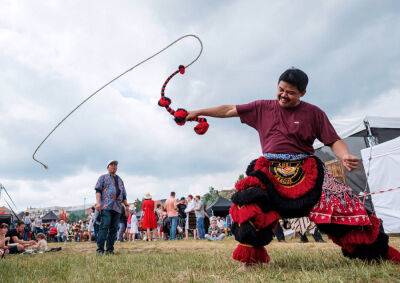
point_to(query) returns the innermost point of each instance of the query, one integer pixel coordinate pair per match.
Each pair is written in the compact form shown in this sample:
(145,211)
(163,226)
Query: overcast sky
(55,53)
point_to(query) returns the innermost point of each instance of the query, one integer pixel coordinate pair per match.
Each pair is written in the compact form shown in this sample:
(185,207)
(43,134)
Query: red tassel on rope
(250,255)
(181,114)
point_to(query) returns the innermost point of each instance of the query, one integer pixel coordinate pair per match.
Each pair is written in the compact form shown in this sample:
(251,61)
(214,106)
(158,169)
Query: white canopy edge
(350,126)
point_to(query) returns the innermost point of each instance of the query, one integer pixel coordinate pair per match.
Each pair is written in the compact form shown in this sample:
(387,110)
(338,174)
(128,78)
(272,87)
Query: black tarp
(220,207)
(49,217)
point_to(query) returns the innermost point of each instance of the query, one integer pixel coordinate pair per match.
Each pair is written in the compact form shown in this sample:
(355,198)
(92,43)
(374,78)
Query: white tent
(351,126)
(383,164)
(359,133)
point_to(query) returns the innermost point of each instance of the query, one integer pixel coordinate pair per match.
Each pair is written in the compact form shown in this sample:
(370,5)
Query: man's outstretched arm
(223,111)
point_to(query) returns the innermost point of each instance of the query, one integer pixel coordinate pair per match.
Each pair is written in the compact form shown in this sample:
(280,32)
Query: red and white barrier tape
(364,194)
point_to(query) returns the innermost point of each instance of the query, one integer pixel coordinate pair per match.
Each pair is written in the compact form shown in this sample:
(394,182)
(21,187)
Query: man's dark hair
(295,77)
(19,223)
(172,194)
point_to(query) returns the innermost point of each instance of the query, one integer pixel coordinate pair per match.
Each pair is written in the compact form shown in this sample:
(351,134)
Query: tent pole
(370,139)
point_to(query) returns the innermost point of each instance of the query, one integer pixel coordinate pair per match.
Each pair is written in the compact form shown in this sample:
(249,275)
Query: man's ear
(303,93)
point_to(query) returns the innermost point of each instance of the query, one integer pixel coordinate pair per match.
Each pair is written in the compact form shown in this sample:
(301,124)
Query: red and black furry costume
(287,189)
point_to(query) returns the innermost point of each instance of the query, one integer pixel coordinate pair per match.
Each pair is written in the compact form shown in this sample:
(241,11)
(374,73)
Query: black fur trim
(247,234)
(375,251)
(250,167)
(263,178)
(336,230)
(293,208)
(253,195)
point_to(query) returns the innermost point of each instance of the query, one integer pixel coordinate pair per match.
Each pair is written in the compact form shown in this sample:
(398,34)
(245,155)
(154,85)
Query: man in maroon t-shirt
(287,128)
(287,124)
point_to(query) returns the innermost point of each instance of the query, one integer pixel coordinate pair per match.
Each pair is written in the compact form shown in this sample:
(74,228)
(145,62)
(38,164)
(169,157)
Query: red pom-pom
(248,182)
(201,127)
(250,255)
(164,101)
(180,116)
(181,69)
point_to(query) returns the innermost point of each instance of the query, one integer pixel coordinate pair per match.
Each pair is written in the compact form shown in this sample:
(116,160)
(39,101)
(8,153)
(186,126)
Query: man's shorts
(13,249)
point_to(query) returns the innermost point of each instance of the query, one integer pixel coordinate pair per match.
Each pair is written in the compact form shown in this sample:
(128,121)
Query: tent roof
(4,210)
(350,126)
(50,216)
(221,202)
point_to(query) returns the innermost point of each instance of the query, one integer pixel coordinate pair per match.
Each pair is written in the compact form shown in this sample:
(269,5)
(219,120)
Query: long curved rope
(111,81)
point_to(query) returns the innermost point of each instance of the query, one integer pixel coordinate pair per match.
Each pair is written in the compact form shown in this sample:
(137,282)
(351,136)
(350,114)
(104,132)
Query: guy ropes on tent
(179,115)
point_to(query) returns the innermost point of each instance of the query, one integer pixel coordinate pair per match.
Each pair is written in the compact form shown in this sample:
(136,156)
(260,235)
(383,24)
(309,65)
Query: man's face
(112,168)
(288,95)
(21,228)
(3,230)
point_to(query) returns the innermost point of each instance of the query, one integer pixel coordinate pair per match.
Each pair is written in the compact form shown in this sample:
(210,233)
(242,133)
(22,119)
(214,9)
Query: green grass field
(193,261)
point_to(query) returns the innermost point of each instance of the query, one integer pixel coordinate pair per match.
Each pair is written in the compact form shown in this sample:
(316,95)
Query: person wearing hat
(110,195)
(149,220)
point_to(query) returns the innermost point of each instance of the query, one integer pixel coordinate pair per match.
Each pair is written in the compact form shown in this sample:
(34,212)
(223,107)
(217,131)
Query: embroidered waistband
(285,156)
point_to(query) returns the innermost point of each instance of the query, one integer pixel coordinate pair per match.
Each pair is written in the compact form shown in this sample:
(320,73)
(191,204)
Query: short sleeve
(248,113)
(326,132)
(100,184)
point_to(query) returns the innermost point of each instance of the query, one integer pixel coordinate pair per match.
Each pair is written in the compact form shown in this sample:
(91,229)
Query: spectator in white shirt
(190,218)
(62,231)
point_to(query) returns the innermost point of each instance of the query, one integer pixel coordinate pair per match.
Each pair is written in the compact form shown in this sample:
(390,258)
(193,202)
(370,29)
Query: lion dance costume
(296,185)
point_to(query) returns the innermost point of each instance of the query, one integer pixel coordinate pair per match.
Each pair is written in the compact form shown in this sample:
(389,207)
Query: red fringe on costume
(241,214)
(250,255)
(248,182)
(393,255)
(366,236)
(264,220)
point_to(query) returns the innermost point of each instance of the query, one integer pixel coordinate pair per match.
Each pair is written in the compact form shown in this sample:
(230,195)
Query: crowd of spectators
(175,219)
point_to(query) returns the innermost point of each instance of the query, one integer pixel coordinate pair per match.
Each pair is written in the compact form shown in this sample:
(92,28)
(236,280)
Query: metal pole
(370,139)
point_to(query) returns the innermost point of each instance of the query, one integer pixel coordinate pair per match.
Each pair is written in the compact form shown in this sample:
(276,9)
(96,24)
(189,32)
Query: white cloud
(385,105)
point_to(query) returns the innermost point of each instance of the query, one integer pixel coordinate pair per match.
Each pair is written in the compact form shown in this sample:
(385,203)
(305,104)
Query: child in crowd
(134,226)
(214,232)
(41,245)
